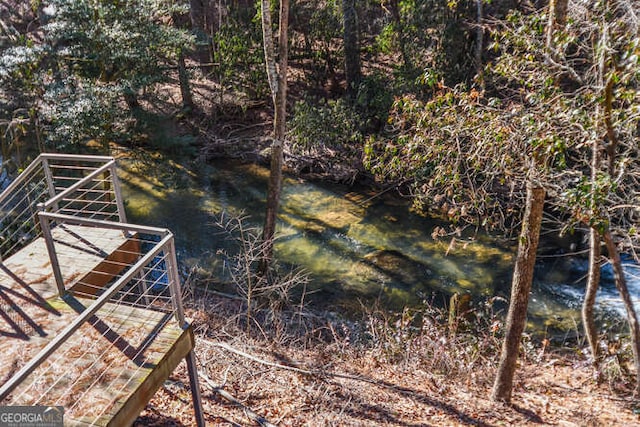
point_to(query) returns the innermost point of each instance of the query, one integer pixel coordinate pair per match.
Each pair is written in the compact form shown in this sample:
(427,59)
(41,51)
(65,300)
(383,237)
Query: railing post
(118,193)
(194,382)
(176,298)
(174,284)
(49,177)
(71,328)
(53,256)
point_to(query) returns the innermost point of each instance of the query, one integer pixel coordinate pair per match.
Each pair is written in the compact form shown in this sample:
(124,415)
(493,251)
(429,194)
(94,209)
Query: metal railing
(65,195)
(71,184)
(151,282)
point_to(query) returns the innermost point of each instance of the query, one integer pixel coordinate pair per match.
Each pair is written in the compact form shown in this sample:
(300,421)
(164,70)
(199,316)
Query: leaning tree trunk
(278,83)
(621,285)
(520,289)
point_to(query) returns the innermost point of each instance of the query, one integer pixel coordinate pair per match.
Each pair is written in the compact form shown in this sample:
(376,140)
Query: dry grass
(296,368)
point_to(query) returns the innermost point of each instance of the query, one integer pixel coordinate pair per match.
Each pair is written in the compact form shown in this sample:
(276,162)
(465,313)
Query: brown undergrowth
(294,366)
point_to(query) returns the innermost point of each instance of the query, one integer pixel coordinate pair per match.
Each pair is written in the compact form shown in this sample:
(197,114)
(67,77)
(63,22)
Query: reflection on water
(353,244)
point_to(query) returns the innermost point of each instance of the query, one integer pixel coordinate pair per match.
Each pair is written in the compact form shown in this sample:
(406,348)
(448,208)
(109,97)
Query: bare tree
(621,285)
(593,281)
(525,262)
(277,75)
(606,146)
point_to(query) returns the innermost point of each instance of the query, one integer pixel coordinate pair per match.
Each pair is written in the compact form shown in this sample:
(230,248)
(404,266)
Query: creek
(357,246)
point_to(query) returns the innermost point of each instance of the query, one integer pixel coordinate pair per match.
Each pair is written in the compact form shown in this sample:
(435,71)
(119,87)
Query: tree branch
(228,396)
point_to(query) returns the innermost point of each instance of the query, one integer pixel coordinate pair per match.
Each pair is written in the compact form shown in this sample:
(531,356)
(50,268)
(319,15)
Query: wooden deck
(109,369)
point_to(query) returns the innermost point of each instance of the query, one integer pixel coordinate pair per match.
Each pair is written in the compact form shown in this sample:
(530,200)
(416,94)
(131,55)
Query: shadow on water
(355,245)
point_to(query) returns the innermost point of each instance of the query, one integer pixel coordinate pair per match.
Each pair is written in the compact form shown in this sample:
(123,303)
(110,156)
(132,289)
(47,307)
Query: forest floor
(324,374)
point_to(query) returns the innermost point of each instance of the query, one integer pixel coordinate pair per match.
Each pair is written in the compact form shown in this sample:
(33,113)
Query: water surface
(355,244)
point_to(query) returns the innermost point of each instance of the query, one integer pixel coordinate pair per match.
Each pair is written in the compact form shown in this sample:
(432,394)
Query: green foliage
(468,154)
(587,198)
(334,125)
(464,159)
(428,34)
(76,109)
(316,36)
(386,40)
(373,101)
(341,124)
(467,159)
(453,53)
(325,23)
(91,56)
(109,40)
(20,87)
(237,49)
(19,64)
(590,83)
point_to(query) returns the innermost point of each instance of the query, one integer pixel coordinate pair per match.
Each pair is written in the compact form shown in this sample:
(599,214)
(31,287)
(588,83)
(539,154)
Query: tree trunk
(352,68)
(593,280)
(520,288)
(479,41)
(557,18)
(269,50)
(621,285)
(183,77)
(131,99)
(397,20)
(278,83)
(198,13)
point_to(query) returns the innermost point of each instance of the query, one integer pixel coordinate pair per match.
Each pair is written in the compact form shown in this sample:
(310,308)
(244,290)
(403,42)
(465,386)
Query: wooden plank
(110,368)
(80,249)
(106,372)
(138,399)
(112,265)
(28,306)
(30,312)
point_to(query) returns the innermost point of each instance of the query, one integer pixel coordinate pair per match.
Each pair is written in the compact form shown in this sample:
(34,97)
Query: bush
(373,102)
(77,109)
(334,125)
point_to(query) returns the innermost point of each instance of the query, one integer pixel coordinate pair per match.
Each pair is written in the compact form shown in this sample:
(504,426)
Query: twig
(393,187)
(314,372)
(228,396)
(230,349)
(412,394)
